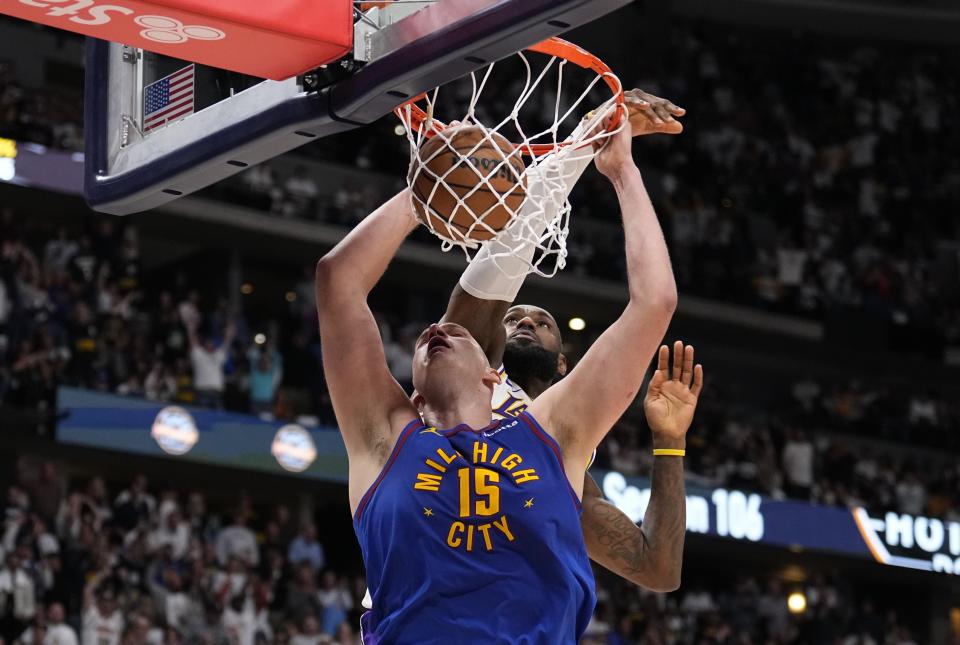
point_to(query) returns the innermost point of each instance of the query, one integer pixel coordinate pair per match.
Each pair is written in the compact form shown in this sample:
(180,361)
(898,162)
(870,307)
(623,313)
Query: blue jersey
(473,536)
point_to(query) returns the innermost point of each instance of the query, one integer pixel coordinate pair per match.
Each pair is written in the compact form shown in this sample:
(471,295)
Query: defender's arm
(650,555)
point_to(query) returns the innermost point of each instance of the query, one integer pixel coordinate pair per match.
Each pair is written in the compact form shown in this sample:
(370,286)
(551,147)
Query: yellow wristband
(669,452)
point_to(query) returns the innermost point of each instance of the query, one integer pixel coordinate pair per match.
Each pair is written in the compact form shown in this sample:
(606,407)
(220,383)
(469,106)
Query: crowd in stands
(84,564)
(91,563)
(73,311)
(825,187)
(744,608)
(854,446)
(793,194)
(48,116)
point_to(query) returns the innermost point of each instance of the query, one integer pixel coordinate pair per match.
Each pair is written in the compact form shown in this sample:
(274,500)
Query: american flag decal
(168,99)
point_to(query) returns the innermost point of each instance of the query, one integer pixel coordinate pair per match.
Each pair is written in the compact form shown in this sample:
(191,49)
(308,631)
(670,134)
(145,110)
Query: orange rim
(551,47)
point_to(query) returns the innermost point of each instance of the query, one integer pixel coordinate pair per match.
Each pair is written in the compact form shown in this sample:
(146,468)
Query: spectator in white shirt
(238,541)
(17,598)
(173,532)
(55,632)
(102,621)
(208,361)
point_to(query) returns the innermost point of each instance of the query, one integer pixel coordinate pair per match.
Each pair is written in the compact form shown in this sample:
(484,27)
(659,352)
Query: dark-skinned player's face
(533,348)
(526,324)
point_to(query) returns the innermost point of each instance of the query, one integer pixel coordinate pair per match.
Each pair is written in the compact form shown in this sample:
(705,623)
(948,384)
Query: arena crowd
(100,563)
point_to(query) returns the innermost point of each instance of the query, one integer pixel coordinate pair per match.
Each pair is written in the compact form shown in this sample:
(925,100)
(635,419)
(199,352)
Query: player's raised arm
(580,409)
(370,405)
(484,293)
(651,555)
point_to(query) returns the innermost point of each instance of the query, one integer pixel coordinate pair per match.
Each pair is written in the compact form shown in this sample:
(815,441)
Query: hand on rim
(651,114)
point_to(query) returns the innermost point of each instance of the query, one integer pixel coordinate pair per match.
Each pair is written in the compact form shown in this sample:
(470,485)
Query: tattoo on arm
(650,555)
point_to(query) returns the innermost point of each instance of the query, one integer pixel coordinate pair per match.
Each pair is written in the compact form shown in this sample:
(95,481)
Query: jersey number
(485,493)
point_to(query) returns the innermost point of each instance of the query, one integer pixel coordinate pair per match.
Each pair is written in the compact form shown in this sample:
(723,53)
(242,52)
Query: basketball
(460,180)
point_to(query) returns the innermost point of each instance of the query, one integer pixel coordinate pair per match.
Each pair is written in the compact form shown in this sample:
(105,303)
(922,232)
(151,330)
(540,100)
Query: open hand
(651,114)
(672,395)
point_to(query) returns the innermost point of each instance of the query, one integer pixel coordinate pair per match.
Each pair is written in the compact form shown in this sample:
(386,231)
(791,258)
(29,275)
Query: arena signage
(138,427)
(892,539)
(35,166)
(723,512)
(911,541)
(174,431)
(209,32)
(8,159)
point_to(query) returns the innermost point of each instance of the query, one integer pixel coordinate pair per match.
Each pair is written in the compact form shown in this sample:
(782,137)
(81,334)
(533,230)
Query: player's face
(529,325)
(448,352)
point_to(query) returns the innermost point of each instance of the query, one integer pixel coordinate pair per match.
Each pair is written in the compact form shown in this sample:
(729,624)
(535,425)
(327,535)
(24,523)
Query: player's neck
(470,408)
(534,387)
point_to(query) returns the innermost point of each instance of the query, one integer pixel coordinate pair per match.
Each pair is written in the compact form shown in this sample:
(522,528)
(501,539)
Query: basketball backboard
(158,127)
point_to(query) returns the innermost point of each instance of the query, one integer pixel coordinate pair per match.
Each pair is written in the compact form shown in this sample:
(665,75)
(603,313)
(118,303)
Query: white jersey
(509,399)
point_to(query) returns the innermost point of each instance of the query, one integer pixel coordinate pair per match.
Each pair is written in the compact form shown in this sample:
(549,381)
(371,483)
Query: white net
(472,189)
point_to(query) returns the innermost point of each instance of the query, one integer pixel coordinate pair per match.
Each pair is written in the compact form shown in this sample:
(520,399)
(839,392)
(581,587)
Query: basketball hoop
(538,228)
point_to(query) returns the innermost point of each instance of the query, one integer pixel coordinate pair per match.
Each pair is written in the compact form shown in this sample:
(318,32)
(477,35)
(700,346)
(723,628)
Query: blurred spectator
(17,597)
(134,506)
(335,600)
(309,633)
(306,548)
(208,360)
(54,632)
(266,373)
(798,465)
(299,194)
(160,385)
(237,541)
(102,621)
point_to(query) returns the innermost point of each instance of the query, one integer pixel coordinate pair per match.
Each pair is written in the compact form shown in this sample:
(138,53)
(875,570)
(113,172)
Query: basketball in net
(498,184)
(467,185)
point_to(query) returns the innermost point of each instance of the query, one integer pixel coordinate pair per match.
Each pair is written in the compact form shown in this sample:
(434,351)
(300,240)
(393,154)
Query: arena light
(291,296)
(398,130)
(246,288)
(797,602)
(577,324)
(260,339)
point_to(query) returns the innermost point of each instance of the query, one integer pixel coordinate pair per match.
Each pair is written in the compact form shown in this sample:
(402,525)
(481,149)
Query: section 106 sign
(721,512)
(893,539)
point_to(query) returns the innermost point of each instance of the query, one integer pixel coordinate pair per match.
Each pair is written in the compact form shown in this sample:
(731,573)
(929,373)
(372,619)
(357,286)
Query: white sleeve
(490,279)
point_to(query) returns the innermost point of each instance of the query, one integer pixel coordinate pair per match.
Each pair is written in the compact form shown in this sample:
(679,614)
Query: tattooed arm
(651,555)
